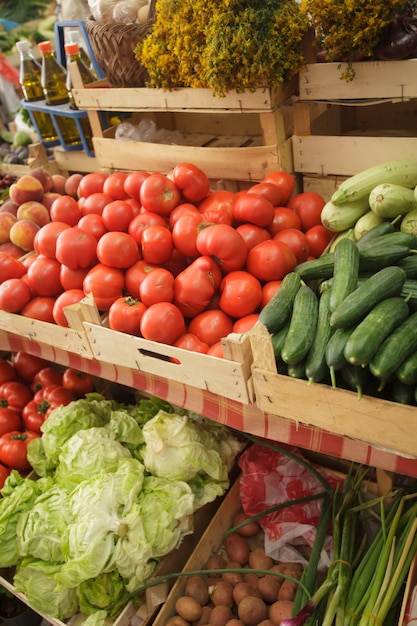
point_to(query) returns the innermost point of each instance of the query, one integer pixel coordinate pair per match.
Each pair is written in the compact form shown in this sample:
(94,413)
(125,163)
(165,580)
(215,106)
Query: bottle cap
(44,46)
(72,48)
(23,46)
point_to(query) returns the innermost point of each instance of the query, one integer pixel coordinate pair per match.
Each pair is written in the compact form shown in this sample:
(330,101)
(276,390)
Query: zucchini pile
(349,318)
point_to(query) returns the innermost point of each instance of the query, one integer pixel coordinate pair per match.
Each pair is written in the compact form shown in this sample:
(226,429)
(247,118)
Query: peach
(6,222)
(26,188)
(9,206)
(11,249)
(58,183)
(49,197)
(22,234)
(34,211)
(43,176)
(71,185)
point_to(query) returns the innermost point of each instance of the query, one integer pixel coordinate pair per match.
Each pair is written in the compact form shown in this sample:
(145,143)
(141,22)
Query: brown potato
(287,590)
(196,587)
(205,616)
(235,622)
(269,586)
(222,593)
(215,562)
(188,608)
(266,622)
(280,610)
(177,620)
(250,529)
(258,559)
(237,548)
(220,615)
(242,590)
(233,577)
(252,579)
(252,610)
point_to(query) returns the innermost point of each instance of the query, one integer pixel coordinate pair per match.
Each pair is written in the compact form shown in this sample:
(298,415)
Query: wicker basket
(113,46)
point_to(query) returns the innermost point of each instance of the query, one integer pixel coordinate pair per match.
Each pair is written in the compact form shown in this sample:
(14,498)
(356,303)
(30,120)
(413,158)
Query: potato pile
(238,599)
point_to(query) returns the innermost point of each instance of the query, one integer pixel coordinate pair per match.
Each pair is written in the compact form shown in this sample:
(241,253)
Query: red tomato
(142,221)
(195,286)
(284,181)
(159,194)
(252,234)
(105,284)
(94,204)
(34,416)
(269,289)
(253,208)
(245,323)
(9,420)
(284,218)
(240,294)
(79,383)
(72,279)
(117,215)
(45,377)
(117,249)
(157,244)
(76,249)
(297,241)
(7,371)
(14,395)
(92,224)
(133,183)
(125,314)
(210,326)
(67,298)
(55,395)
(28,365)
(188,341)
(184,233)
(13,449)
(114,185)
(176,263)
(269,191)
(135,204)
(65,209)
(308,205)
(182,209)
(4,473)
(40,308)
(157,286)
(216,350)
(45,239)
(224,244)
(318,238)
(191,180)
(162,322)
(10,267)
(134,276)
(15,293)
(218,207)
(270,260)
(43,277)
(90,183)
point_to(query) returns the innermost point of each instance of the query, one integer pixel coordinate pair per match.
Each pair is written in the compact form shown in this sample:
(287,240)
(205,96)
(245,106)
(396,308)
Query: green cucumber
(297,370)
(316,269)
(278,339)
(380,229)
(334,352)
(303,324)
(393,351)
(345,273)
(384,284)
(315,366)
(390,239)
(407,372)
(277,311)
(355,377)
(373,329)
(402,393)
(409,265)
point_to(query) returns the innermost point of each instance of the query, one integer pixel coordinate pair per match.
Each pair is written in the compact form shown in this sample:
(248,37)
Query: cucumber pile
(349,318)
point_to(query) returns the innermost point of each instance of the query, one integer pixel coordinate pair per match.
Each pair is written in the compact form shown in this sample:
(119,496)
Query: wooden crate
(38,157)
(381,423)
(242,136)
(323,185)
(75,161)
(347,137)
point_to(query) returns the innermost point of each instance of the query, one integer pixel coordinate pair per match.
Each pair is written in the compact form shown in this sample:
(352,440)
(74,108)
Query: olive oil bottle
(30,83)
(74,36)
(73,53)
(53,81)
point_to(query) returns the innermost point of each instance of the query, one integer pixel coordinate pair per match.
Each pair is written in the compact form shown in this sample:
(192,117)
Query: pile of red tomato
(30,388)
(166,258)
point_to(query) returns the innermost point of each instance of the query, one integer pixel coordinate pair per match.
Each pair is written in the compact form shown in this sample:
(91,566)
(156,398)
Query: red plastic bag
(270,478)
